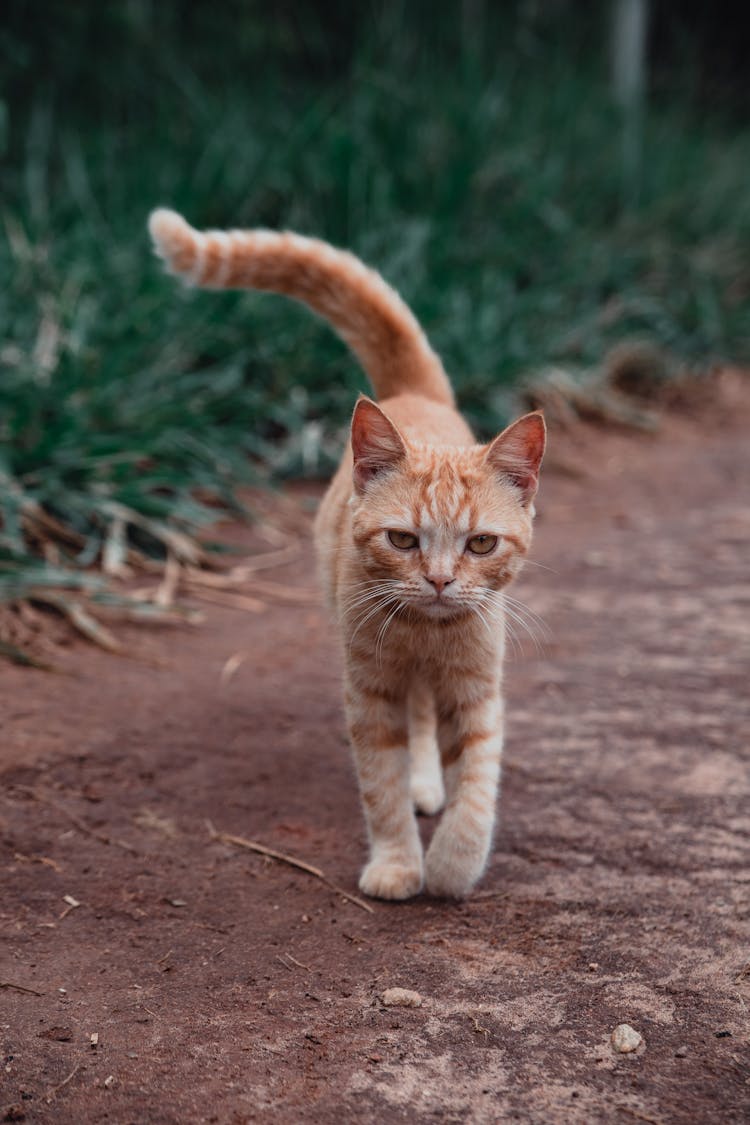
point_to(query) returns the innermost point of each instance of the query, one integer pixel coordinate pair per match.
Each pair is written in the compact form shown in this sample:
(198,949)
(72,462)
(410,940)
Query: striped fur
(420,616)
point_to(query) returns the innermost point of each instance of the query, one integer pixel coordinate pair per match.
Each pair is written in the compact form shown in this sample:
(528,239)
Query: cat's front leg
(378,732)
(461,844)
(427,790)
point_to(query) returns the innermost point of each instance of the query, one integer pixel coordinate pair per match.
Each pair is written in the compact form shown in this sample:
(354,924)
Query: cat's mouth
(438,607)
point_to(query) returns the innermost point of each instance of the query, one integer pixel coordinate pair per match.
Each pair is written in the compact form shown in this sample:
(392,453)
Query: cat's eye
(404,540)
(481,544)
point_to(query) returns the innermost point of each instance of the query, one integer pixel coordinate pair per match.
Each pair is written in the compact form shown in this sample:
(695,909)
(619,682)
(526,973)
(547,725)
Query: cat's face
(442,530)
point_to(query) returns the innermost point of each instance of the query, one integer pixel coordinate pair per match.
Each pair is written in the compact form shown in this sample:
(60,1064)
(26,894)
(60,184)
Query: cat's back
(426,422)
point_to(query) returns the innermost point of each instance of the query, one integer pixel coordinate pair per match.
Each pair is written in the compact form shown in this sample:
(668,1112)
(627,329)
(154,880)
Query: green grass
(492,197)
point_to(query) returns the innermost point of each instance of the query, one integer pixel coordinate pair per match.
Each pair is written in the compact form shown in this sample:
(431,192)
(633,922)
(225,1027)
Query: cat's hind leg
(426,783)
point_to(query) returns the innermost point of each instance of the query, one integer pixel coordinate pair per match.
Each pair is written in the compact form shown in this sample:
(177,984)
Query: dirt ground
(222,986)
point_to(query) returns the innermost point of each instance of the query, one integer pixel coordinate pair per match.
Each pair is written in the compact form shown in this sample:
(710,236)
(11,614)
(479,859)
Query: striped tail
(368,315)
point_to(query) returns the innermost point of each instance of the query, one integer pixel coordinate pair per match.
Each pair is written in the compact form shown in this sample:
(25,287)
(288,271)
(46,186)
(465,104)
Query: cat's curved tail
(370,316)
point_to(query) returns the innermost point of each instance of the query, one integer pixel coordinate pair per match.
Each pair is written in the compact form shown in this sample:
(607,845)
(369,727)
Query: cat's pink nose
(439,581)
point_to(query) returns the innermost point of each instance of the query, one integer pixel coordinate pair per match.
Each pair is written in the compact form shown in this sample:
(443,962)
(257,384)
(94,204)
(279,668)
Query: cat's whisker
(531,627)
(491,599)
(525,629)
(479,611)
(383,629)
(363,599)
(516,646)
(365,591)
(542,566)
(538,623)
(371,612)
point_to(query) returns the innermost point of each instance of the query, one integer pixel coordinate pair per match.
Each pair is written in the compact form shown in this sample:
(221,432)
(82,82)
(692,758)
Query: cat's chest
(440,655)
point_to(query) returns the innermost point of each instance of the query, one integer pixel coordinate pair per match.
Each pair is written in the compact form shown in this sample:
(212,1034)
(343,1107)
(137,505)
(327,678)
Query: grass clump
(490,193)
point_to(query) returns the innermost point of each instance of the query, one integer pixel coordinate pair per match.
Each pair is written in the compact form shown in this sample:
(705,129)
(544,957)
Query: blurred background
(540,180)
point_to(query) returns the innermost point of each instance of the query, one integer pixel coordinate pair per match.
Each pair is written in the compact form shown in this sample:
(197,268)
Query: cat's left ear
(376,443)
(517,453)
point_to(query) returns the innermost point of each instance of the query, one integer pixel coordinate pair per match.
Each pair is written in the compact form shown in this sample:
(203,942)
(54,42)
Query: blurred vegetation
(470,151)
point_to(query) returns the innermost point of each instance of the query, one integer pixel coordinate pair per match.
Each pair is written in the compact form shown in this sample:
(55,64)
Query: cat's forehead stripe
(444,498)
(455,512)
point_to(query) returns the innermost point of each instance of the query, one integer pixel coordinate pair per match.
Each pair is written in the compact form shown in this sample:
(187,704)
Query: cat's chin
(439,609)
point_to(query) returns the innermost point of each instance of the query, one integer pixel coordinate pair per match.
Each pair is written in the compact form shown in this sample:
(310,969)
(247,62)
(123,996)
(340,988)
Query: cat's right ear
(376,443)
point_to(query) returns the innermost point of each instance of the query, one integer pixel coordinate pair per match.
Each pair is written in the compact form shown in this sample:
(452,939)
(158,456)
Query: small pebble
(109,1081)
(593,966)
(626,1039)
(681,1052)
(401,998)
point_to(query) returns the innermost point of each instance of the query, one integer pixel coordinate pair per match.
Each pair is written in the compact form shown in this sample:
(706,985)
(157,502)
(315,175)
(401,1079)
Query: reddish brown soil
(225,987)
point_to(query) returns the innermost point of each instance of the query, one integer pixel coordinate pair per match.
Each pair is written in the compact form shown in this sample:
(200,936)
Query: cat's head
(442,529)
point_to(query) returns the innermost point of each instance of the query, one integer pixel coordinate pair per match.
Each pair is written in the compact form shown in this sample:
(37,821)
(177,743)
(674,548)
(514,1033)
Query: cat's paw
(427,794)
(385,879)
(453,873)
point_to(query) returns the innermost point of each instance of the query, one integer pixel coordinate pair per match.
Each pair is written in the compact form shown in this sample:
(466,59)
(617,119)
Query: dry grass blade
(228,600)
(81,825)
(272,534)
(141,607)
(242,572)
(115,549)
(638,1115)
(26,660)
(232,666)
(285,593)
(565,400)
(165,595)
(36,520)
(282,857)
(176,542)
(264,562)
(79,617)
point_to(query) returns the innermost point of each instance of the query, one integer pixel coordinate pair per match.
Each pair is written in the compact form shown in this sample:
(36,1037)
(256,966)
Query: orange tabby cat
(418,534)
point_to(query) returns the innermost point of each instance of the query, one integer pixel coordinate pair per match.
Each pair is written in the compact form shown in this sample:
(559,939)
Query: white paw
(384,879)
(451,871)
(428,794)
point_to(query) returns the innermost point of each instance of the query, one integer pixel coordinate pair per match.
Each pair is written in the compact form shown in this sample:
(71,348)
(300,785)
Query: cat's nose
(439,581)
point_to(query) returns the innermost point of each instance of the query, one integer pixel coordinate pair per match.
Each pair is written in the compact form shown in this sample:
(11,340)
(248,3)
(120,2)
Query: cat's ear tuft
(517,453)
(376,443)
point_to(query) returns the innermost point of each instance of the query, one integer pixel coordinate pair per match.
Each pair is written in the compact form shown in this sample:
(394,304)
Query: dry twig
(53,1090)
(299,964)
(19,988)
(282,857)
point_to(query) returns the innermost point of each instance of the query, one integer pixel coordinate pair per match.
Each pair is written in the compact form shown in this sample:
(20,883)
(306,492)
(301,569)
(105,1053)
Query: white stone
(626,1039)
(401,998)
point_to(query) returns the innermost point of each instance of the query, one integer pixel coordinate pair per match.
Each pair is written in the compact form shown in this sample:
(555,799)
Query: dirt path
(228,988)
